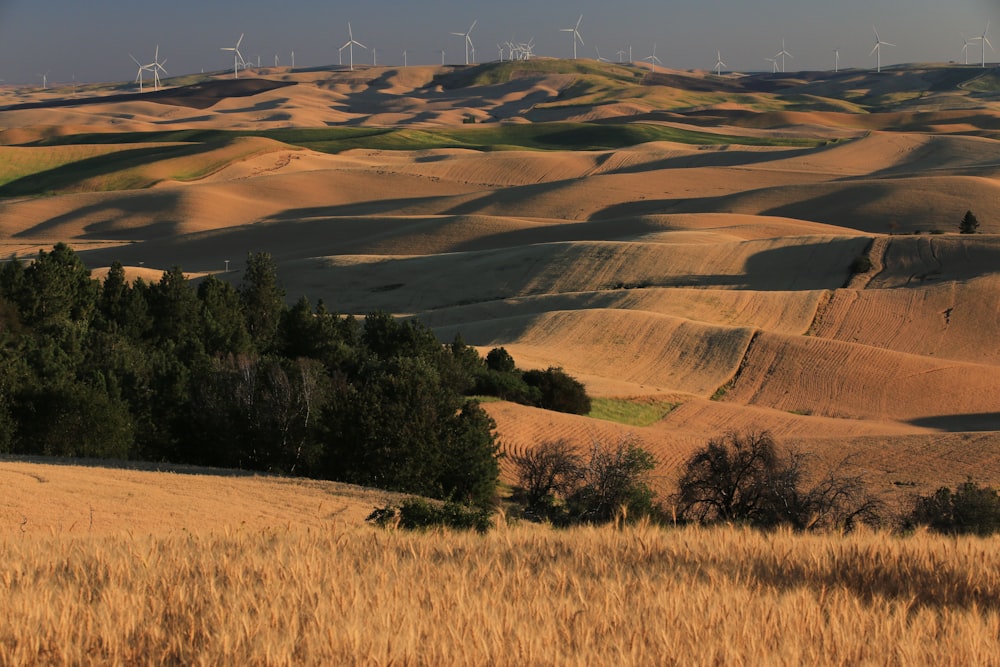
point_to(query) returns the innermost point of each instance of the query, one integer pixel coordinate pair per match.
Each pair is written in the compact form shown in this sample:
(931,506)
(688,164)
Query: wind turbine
(468,41)
(965,48)
(620,54)
(782,53)
(275,59)
(237,56)
(45,79)
(985,40)
(404,58)
(877,50)
(156,67)
(293,59)
(349,45)
(576,34)
(718,63)
(774,64)
(600,58)
(652,58)
(441,51)
(836,60)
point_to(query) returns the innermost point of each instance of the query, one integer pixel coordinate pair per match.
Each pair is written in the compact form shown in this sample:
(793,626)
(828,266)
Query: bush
(861,264)
(970,508)
(558,485)
(420,514)
(743,478)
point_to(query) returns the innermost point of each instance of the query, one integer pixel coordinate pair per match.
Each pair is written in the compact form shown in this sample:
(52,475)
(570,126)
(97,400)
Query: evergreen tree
(969,223)
(223,325)
(263,300)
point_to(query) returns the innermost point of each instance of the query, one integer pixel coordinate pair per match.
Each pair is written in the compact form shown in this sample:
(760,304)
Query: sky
(90,40)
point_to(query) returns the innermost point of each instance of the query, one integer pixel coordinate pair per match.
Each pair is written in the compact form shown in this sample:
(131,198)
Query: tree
(970,508)
(223,327)
(395,425)
(263,299)
(744,478)
(558,391)
(615,477)
(55,291)
(969,223)
(559,485)
(545,473)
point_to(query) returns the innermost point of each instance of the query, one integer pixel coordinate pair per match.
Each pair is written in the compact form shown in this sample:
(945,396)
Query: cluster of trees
(741,478)
(232,377)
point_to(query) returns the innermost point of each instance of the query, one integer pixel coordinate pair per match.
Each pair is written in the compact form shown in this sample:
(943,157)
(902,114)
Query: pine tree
(263,299)
(969,223)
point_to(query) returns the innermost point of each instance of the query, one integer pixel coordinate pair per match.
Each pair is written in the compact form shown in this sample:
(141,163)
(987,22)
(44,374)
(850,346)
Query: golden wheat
(521,595)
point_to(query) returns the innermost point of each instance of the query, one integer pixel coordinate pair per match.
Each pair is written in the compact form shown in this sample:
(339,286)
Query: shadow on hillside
(111,211)
(143,466)
(714,158)
(967,423)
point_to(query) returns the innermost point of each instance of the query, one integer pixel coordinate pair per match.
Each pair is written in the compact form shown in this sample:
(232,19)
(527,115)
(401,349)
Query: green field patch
(18,162)
(127,167)
(630,412)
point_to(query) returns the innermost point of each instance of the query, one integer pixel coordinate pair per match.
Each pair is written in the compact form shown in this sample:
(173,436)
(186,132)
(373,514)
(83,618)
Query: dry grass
(518,596)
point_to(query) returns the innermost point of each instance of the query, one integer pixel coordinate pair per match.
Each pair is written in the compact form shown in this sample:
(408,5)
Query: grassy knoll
(517,596)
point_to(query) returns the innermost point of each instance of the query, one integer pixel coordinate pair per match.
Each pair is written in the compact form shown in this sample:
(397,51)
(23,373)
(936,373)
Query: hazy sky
(91,39)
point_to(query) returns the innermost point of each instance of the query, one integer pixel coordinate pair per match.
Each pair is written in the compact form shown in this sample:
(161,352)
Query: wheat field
(520,595)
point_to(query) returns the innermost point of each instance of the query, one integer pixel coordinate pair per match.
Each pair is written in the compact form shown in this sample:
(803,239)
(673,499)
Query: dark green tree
(558,391)
(223,325)
(969,508)
(263,300)
(969,223)
(56,291)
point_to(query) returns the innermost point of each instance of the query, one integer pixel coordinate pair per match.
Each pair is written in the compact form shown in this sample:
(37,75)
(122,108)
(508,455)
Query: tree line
(217,375)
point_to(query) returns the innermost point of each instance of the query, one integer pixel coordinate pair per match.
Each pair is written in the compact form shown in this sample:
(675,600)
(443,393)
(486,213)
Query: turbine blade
(578,21)
(134,60)
(239,41)
(875,49)
(472,26)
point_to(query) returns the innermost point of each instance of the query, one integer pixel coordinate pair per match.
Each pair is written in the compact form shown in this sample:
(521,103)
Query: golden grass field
(169,568)
(706,268)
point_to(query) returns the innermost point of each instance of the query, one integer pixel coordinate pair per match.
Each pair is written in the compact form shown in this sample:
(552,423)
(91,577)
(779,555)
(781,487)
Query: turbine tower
(45,78)
(468,41)
(441,51)
(985,40)
(142,68)
(877,50)
(836,60)
(621,55)
(718,63)
(652,58)
(965,48)
(576,34)
(237,56)
(782,53)
(349,45)
(774,64)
